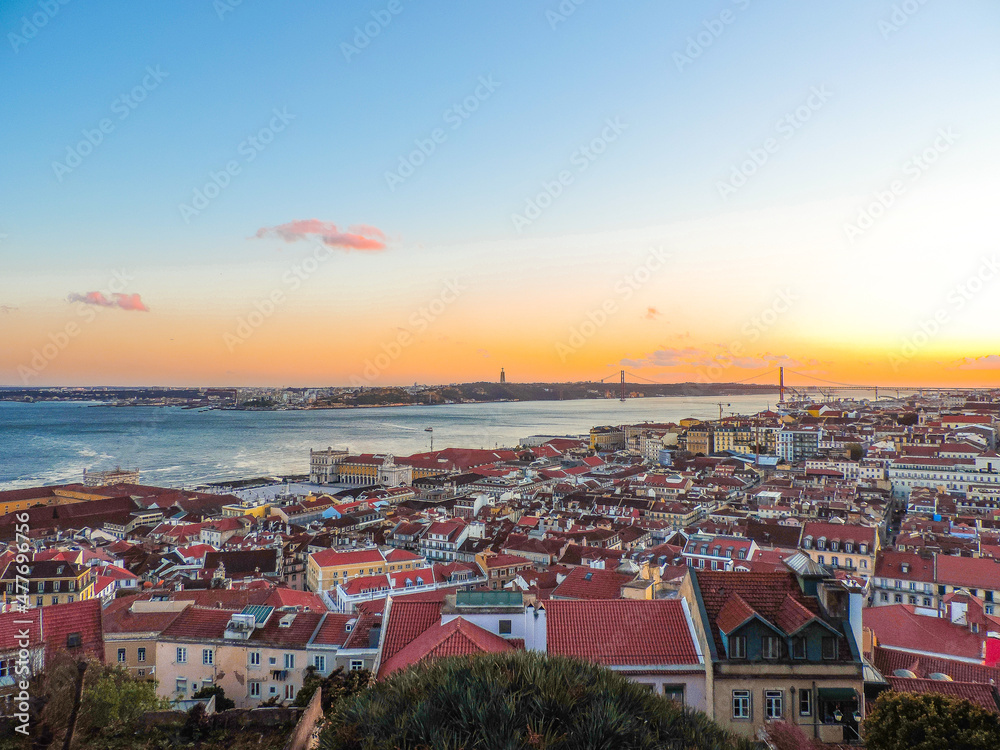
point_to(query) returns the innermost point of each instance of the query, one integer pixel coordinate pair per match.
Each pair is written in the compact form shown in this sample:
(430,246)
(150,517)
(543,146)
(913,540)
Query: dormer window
(848,547)
(863,548)
(821,543)
(905,567)
(807,542)
(834,545)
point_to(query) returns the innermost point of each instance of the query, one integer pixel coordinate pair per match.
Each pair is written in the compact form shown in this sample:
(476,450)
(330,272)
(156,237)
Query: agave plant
(517,701)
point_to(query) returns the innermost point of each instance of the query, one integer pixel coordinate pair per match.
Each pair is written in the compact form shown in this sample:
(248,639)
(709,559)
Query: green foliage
(336,685)
(516,700)
(222,703)
(908,721)
(855,451)
(114,701)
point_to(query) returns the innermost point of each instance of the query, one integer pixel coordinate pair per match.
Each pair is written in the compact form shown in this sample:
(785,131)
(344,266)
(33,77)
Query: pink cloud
(122,301)
(652,313)
(360,237)
(986,362)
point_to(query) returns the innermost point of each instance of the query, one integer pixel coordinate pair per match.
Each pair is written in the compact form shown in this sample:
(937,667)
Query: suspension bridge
(818,386)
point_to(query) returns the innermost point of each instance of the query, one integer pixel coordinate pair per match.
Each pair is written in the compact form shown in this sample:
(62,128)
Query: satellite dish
(904,673)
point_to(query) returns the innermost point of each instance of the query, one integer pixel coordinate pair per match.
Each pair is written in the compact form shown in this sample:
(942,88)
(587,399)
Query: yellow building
(12,500)
(328,567)
(48,582)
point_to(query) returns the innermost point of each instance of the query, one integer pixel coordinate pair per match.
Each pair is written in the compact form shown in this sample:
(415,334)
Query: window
(912,599)
(255,658)
(835,561)
(254,689)
(805,702)
(738,647)
(141,673)
(182,685)
(829,648)
(773,700)
(505,627)
(769,648)
(799,648)
(319,662)
(55,599)
(884,596)
(289,692)
(674,693)
(272,660)
(182,655)
(121,656)
(741,704)
(898,598)
(55,586)
(821,559)
(927,603)
(289,661)
(207,656)
(141,653)
(357,665)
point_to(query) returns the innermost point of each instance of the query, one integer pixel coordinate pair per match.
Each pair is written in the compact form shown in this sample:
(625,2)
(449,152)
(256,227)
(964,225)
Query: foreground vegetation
(513,701)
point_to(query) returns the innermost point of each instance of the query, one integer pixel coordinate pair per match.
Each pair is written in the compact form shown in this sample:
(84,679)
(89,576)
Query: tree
(855,451)
(907,418)
(929,721)
(517,700)
(335,686)
(783,735)
(222,703)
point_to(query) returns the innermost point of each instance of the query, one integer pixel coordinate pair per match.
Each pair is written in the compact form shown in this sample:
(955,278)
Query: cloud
(667,358)
(986,362)
(692,357)
(7,309)
(359,237)
(483,352)
(131,302)
(652,313)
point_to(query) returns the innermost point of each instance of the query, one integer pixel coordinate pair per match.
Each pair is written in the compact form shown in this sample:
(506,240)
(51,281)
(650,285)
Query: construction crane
(720,405)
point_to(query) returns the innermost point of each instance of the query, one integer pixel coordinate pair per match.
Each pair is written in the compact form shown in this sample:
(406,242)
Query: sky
(391,192)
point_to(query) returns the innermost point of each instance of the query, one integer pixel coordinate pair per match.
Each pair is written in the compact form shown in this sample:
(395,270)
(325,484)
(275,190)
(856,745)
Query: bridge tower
(503,377)
(781,385)
(623,386)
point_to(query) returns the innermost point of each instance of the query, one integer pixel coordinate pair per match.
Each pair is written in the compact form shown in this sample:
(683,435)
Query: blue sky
(685,126)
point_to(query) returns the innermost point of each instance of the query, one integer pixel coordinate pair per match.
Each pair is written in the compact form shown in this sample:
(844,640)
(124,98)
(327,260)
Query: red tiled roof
(296,633)
(118,617)
(734,613)
(592,583)
(329,557)
(969,572)
(792,615)
(500,561)
(333,630)
(407,620)
(898,626)
(59,621)
(764,592)
(888,660)
(457,637)
(621,631)
(984,696)
(199,623)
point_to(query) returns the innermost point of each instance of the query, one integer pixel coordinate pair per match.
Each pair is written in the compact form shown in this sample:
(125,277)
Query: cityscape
(571,375)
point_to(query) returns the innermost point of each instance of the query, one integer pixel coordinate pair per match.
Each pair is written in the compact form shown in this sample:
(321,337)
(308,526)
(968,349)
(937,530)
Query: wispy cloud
(652,313)
(986,362)
(692,357)
(132,302)
(7,309)
(358,237)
